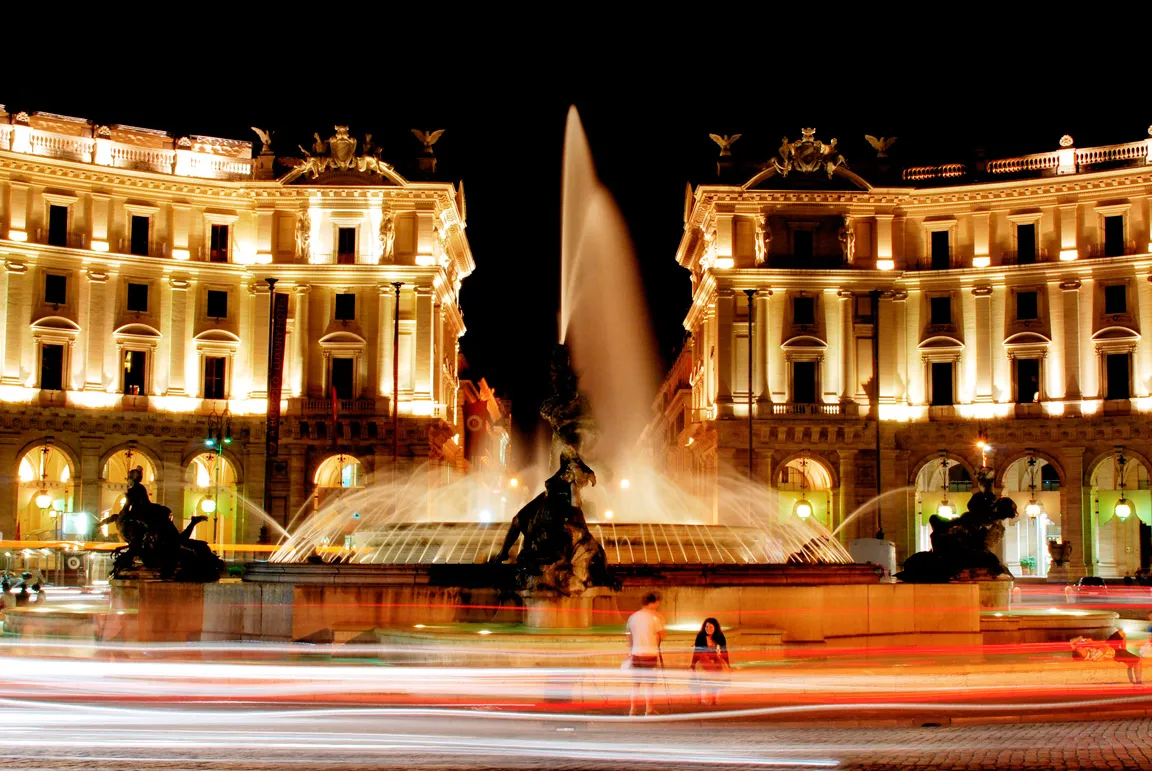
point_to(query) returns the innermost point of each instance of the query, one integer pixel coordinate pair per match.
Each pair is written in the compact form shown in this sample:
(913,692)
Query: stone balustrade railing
(946,171)
(103,151)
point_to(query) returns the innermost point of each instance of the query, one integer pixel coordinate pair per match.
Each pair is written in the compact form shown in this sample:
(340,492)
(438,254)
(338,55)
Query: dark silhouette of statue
(151,537)
(558,552)
(962,547)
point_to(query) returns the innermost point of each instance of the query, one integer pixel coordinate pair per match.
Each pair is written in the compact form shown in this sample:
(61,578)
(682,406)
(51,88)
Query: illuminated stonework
(1012,301)
(135,308)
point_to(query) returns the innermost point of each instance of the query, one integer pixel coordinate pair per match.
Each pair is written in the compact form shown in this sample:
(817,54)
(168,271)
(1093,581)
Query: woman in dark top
(710,662)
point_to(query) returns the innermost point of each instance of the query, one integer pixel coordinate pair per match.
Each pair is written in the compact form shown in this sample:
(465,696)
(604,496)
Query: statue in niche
(558,552)
(387,236)
(303,234)
(763,241)
(962,548)
(151,538)
(847,236)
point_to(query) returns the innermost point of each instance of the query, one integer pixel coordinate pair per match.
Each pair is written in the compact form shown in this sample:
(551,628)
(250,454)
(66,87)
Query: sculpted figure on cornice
(338,153)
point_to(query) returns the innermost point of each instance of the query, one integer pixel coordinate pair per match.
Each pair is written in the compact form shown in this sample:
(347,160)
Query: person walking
(645,630)
(710,662)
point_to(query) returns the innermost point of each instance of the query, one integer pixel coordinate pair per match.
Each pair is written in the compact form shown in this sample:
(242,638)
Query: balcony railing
(797,409)
(343,406)
(1113,250)
(1013,258)
(946,171)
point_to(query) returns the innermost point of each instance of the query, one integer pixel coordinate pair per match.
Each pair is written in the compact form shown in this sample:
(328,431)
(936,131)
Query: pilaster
(88,498)
(725,338)
(983,343)
(1071,291)
(300,340)
(424,363)
(177,333)
(16,319)
(95,331)
(847,306)
(763,333)
(387,322)
(261,303)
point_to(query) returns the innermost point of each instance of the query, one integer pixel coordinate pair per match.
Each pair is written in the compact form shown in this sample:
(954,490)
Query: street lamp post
(750,293)
(396,379)
(875,297)
(271,356)
(219,435)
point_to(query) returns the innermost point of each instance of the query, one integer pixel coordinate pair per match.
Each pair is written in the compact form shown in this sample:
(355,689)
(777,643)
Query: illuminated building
(485,416)
(136,314)
(1013,304)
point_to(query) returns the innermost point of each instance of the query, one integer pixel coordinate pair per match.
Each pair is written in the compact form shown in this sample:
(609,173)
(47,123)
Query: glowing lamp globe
(802,509)
(43,500)
(207,505)
(1123,509)
(946,510)
(1033,509)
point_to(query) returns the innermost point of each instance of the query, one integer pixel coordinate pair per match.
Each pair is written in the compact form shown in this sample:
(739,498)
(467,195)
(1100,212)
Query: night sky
(647,120)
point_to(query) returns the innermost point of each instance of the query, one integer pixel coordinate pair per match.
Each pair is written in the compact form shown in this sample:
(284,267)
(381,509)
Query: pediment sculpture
(808,155)
(339,154)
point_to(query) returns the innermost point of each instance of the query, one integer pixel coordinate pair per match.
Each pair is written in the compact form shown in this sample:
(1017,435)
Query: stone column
(983,343)
(763,329)
(88,496)
(300,485)
(16,321)
(1071,340)
(725,311)
(9,446)
(424,320)
(171,492)
(96,332)
(1077,522)
(848,502)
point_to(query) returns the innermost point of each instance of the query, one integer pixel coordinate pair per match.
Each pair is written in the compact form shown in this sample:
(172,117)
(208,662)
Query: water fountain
(412,552)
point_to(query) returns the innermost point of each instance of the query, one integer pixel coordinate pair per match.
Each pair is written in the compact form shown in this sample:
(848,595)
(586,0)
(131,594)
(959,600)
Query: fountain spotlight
(513,482)
(485,515)
(625,484)
(608,514)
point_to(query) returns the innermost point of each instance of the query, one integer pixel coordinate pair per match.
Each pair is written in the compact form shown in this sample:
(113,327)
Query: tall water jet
(603,318)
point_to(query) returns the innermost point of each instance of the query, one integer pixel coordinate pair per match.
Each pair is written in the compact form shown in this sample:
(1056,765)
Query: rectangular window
(140,226)
(1115,299)
(135,367)
(1027,381)
(941,250)
(52,367)
(941,383)
(802,244)
(804,382)
(214,371)
(1027,306)
(346,307)
(1026,244)
(55,289)
(1114,236)
(138,298)
(804,310)
(346,246)
(342,377)
(1117,373)
(940,310)
(217,306)
(57,225)
(218,246)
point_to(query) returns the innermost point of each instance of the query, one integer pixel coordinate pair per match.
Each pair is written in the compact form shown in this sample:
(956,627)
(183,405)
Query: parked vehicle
(1093,589)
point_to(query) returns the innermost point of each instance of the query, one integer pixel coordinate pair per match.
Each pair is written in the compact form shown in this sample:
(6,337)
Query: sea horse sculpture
(558,552)
(151,537)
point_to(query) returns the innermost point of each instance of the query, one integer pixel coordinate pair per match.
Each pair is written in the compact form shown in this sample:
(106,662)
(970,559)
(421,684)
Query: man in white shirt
(645,630)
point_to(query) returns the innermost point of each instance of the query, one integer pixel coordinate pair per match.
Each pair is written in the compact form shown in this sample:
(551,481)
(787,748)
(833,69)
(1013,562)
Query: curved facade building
(135,310)
(927,322)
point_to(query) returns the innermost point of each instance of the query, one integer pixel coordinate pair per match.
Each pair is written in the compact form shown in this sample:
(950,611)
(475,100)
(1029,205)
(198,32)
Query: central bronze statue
(558,552)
